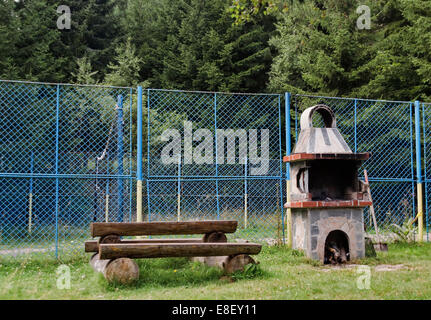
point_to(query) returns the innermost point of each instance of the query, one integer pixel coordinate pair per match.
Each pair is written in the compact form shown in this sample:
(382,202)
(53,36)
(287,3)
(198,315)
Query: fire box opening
(337,248)
(331,180)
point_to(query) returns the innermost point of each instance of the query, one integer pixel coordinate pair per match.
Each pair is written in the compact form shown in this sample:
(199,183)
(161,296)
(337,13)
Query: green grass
(282,274)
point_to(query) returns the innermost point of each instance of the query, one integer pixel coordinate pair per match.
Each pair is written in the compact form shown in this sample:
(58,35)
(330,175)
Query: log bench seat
(175,250)
(162,228)
(113,256)
(93,245)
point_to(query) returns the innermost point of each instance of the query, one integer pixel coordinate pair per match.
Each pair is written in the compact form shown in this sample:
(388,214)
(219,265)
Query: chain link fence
(426,128)
(67,158)
(65,161)
(216,156)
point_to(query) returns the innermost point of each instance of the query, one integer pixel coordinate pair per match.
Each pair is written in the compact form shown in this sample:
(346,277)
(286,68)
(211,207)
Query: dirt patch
(339,267)
(23,251)
(378,268)
(388,267)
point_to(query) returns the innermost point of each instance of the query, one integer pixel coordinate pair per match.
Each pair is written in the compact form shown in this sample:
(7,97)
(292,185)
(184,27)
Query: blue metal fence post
(280,155)
(412,156)
(148,155)
(120,155)
(139,158)
(287,101)
(419,170)
(57,138)
(30,196)
(131,177)
(356,125)
(425,170)
(179,190)
(107,190)
(216,157)
(245,193)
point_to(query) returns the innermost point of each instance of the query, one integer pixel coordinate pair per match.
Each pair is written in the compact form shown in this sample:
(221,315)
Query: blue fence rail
(71,155)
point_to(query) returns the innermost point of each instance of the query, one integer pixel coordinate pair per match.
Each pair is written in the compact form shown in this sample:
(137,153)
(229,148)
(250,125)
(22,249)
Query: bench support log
(122,270)
(214,237)
(229,264)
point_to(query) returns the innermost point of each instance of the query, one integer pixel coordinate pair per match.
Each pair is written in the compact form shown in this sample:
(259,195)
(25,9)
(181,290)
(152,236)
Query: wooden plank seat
(162,228)
(113,256)
(93,245)
(171,250)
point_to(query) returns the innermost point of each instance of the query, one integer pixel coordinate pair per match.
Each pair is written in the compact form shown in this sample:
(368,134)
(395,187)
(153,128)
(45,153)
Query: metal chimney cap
(327,114)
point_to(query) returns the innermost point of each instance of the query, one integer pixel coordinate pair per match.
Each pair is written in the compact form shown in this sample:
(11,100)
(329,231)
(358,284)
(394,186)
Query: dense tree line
(184,44)
(320,49)
(309,46)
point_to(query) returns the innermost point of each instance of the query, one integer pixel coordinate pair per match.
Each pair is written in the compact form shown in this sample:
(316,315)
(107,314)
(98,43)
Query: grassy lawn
(285,274)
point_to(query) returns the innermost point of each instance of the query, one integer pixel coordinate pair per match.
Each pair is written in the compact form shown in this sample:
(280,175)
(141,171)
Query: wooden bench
(113,255)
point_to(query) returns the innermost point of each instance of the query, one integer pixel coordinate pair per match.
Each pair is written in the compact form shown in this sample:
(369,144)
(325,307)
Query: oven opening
(337,248)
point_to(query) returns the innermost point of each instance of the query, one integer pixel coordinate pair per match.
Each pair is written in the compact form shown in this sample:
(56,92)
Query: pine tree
(151,25)
(418,14)
(194,44)
(320,50)
(125,71)
(8,27)
(85,73)
(96,32)
(36,42)
(103,32)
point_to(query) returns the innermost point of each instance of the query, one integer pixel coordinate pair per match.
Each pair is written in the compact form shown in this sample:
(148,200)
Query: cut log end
(380,246)
(229,264)
(238,262)
(110,238)
(215,237)
(123,271)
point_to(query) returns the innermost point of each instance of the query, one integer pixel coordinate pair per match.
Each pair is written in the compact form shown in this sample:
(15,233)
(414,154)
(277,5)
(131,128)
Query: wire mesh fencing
(68,157)
(216,156)
(426,129)
(65,161)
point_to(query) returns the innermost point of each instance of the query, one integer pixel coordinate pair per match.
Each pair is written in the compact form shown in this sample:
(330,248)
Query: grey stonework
(310,228)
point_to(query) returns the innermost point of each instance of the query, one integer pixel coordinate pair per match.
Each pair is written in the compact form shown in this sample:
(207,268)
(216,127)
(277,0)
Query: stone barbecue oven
(326,197)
